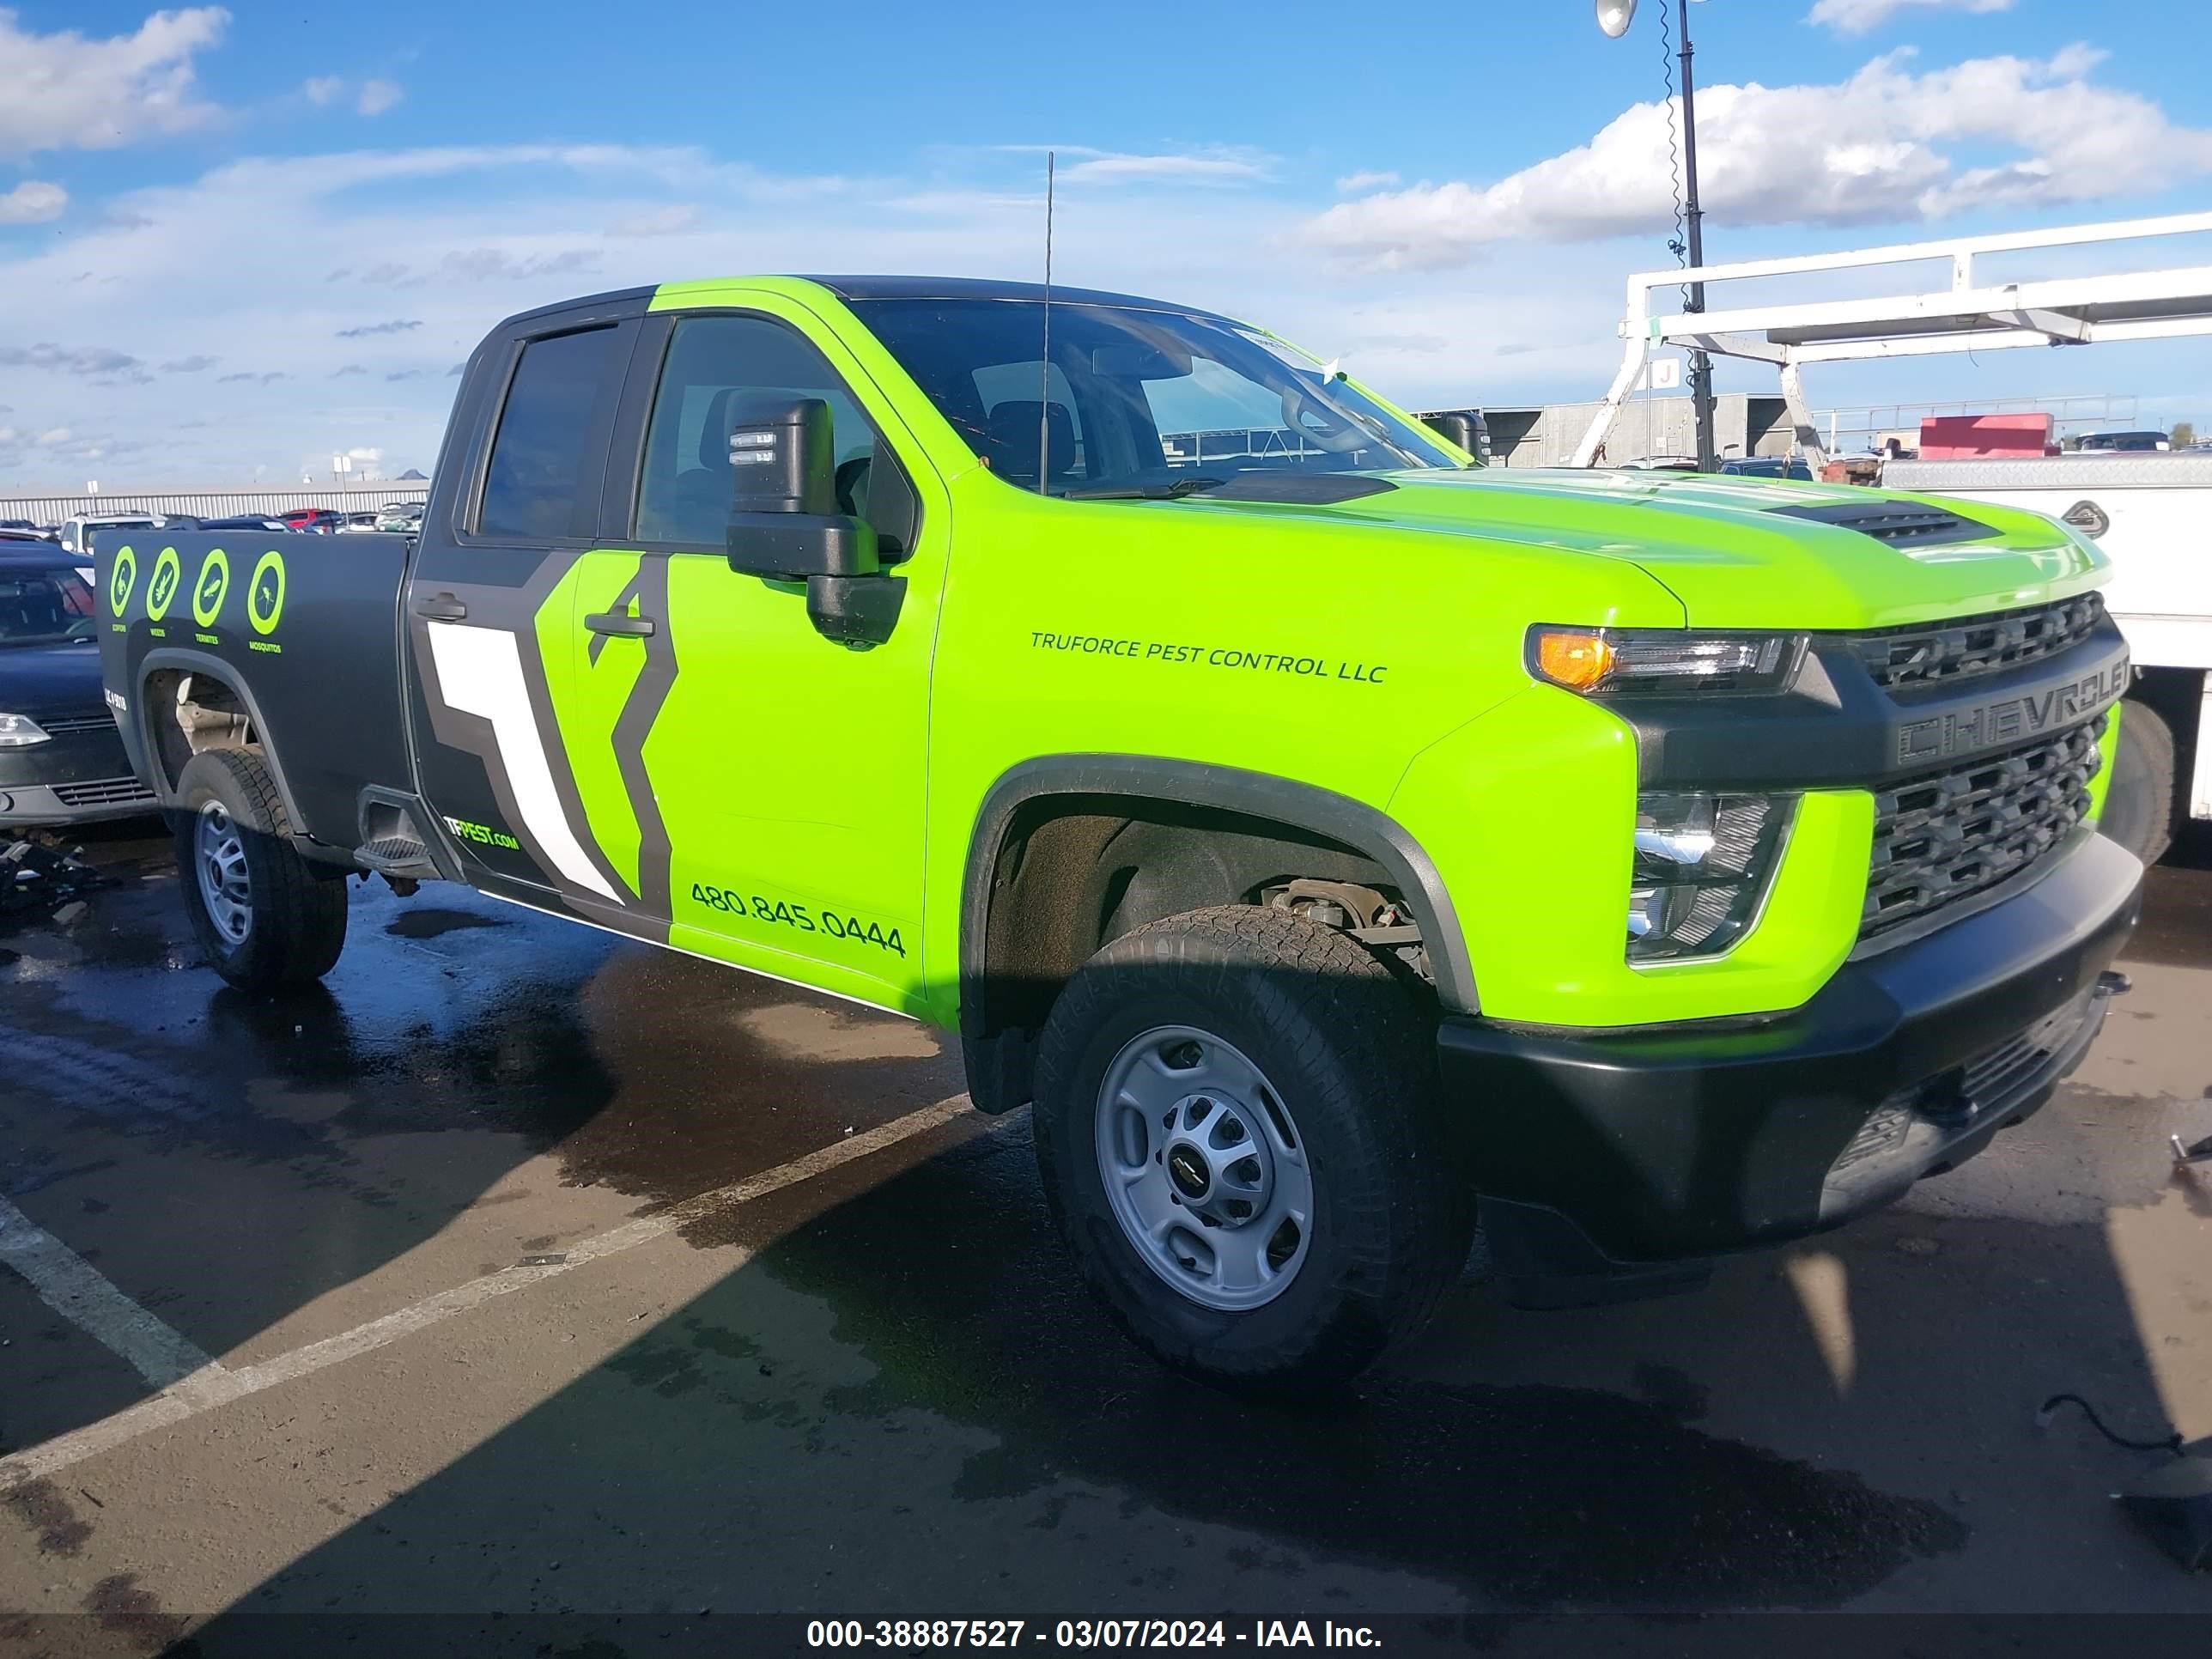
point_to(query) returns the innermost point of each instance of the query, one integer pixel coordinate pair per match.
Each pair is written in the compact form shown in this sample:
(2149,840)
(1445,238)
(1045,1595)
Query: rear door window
(544,467)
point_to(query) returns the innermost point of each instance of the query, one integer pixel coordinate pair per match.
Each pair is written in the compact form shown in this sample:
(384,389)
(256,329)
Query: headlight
(1702,866)
(19,732)
(1627,662)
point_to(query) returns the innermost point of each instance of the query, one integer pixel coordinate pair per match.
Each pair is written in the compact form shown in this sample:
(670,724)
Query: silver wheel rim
(1204,1168)
(219,860)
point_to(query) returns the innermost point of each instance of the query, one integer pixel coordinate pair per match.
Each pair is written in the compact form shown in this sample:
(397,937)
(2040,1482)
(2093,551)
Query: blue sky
(235,240)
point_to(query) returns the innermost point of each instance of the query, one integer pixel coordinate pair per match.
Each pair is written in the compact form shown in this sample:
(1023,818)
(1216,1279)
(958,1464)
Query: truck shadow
(904,1393)
(229,1159)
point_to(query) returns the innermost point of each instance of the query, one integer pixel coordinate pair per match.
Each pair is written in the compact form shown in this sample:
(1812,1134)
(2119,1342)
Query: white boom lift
(2151,513)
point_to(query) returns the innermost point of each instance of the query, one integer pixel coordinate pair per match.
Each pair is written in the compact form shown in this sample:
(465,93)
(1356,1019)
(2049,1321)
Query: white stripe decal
(480,673)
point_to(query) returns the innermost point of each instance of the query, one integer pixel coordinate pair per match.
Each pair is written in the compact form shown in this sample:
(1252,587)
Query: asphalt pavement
(520,1270)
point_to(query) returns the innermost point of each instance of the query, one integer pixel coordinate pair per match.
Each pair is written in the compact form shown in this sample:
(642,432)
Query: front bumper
(77,777)
(1601,1151)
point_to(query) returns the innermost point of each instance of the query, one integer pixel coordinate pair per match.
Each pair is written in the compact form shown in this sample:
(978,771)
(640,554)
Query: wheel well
(1071,874)
(187,714)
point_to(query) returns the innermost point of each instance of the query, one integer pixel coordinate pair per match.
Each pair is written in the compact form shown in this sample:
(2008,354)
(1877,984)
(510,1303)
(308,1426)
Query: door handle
(444,608)
(621,622)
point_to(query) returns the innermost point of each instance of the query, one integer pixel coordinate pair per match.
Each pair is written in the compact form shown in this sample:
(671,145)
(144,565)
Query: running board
(398,856)
(399,838)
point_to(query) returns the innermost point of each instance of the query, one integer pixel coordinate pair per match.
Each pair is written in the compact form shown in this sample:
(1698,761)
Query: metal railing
(213,503)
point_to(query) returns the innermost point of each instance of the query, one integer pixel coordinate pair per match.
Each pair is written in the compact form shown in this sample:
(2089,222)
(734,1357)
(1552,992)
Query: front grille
(1944,836)
(1900,524)
(103,792)
(62,727)
(1899,657)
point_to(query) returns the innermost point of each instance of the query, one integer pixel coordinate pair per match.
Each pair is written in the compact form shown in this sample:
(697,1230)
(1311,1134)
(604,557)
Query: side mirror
(784,523)
(1467,430)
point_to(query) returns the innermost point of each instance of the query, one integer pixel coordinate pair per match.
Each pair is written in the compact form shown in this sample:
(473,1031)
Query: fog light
(1702,863)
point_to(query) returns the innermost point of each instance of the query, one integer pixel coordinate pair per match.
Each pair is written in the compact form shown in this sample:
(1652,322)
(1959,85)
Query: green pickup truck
(1338,843)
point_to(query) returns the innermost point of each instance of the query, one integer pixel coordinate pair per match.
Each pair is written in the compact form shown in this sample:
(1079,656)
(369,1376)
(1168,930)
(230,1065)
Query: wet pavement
(866,1384)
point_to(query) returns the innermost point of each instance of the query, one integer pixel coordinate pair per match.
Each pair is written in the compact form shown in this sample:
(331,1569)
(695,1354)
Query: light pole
(1613,17)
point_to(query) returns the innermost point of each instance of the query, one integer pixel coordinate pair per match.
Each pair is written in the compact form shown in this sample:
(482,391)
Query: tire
(1297,1038)
(2139,801)
(265,917)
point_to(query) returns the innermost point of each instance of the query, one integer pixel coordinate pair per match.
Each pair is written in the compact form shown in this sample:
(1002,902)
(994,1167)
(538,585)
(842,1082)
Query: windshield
(44,605)
(1135,401)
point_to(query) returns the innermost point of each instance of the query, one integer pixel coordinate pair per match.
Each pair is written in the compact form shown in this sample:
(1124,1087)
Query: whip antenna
(1044,374)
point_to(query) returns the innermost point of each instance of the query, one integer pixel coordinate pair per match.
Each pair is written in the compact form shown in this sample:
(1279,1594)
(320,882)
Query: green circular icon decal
(161,586)
(211,588)
(123,580)
(265,600)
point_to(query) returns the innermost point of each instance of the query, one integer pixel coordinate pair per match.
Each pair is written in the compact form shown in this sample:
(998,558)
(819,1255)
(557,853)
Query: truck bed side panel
(303,628)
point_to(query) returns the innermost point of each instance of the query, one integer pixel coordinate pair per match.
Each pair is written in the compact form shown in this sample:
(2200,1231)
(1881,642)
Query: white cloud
(378,96)
(1864,16)
(1353,183)
(52,436)
(1212,167)
(65,91)
(492,236)
(656,221)
(33,202)
(323,89)
(1879,147)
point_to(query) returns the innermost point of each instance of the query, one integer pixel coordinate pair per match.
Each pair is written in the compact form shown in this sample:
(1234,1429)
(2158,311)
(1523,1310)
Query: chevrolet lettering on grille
(2011,720)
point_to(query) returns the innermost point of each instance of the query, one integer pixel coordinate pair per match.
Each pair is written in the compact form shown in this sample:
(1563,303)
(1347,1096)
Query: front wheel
(1238,1133)
(266,918)
(2139,801)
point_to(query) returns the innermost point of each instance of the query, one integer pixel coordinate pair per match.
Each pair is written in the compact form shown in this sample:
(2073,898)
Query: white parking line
(193,1383)
(77,1291)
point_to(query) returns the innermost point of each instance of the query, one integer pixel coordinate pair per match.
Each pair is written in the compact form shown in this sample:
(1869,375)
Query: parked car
(25,534)
(1666,870)
(1768,466)
(2122,443)
(360,521)
(76,532)
(401,518)
(315,520)
(16,523)
(62,760)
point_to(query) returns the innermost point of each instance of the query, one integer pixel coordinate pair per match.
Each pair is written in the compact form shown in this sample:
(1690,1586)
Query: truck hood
(1747,553)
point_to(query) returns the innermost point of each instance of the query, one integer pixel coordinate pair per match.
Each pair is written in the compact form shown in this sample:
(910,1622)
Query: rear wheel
(1238,1127)
(2139,801)
(264,916)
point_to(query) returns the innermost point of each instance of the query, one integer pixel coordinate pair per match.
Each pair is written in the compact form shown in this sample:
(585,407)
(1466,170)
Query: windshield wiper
(1151,492)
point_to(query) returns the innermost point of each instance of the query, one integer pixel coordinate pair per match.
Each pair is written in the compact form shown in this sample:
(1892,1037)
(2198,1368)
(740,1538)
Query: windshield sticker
(1170,652)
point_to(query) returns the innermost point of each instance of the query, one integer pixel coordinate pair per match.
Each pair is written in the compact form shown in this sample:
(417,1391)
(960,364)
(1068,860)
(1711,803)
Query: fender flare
(1306,806)
(197,664)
